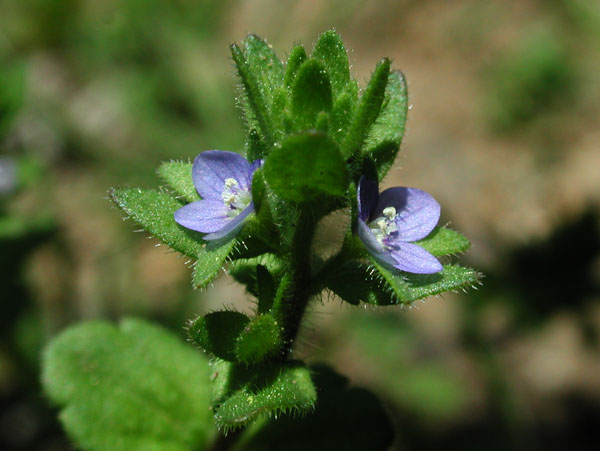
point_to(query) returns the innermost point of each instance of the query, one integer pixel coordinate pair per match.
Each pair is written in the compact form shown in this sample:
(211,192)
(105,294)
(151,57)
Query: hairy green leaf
(217,332)
(385,136)
(330,50)
(311,94)
(210,261)
(368,109)
(265,65)
(259,340)
(295,60)
(242,393)
(178,174)
(347,418)
(306,166)
(133,387)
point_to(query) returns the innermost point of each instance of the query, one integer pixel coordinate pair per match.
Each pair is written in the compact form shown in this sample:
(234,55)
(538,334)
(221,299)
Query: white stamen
(390,213)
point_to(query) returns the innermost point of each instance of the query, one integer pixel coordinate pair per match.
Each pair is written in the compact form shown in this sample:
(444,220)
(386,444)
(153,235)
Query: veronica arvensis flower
(390,222)
(223,181)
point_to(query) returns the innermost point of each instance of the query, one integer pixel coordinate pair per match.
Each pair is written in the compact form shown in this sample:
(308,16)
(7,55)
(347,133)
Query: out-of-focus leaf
(133,387)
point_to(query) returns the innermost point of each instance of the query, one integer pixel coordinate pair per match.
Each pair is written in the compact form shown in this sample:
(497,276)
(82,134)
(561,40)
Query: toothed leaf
(178,175)
(242,393)
(133,386)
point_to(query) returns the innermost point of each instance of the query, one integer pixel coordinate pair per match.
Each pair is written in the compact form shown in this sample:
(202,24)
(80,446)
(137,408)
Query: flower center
(385,225)
(234,197)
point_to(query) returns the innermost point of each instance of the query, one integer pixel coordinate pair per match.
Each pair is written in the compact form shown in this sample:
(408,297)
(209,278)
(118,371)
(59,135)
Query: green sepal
(266,289)
(217,332)
(178,174)
(133,386)
(368,109)
(330,50)
(259,340)
(306,167)
(442,241)
(254,104)
(406,287)
(295,60)
(385,137)
(311,94)
(345,418)
(242,393)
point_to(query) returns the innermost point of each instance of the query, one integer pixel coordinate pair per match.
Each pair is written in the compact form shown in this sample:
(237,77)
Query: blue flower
(223,180)
(389,223)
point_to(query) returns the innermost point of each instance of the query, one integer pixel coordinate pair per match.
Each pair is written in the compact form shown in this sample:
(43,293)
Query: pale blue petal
(233,226)
(374,247)
(204,216)
(213,167)
(412,258)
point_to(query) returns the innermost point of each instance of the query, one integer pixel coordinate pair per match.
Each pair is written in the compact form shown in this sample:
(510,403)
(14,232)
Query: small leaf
(12,92)
(265,65)
(295,60)
(354,283)
(255,106)
(154,212)
(406,287)
(259,340)
(443,241)
(241,393)
(178,175)
(306,166)
(133,387)
(345,418)
(368,109)
(311,94)
(217,332)
(330,50)
(255,146)
(386,134)
(266,289)
(244,270)
(213,257)
(341,114)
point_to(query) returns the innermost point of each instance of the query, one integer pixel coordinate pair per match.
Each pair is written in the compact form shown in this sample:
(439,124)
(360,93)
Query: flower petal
(206,216)
(233,226)
(374,247)
(368,192)
(412,258)
(418,212)
(212,167)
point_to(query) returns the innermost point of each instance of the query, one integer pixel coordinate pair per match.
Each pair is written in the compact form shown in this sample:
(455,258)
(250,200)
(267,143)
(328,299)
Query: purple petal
(206,216)
(233,226)
(412,258)
(212,167)
(418,212)
(255,165)
(374,247)
(368,192)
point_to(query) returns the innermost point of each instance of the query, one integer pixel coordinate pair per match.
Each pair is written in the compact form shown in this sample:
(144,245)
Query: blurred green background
(503,131)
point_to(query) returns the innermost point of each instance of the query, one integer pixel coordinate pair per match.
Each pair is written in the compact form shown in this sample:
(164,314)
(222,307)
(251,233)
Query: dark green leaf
(386,134)
(368,109)
(255,146)
(217,332)
(345,418)
(264,65)
(330,50)
(341,114)
(178,175)
(133,387)
(259,340)
(295,60)
(311,94)
(443,241)
(241,393)
(306,166)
